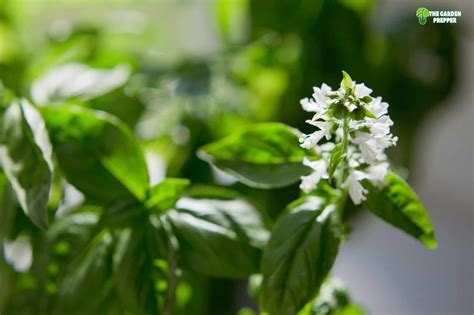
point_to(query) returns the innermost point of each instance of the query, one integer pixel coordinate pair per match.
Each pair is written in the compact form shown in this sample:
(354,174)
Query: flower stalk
(356,128)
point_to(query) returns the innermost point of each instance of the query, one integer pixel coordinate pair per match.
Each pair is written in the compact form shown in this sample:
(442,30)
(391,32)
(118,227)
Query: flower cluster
(357,132)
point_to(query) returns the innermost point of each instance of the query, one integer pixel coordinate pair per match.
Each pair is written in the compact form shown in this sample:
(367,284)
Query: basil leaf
(219,238)
(76,80)
(346,82)
(83,289)
(97,153)
(164,195)
(399,205)
(133,268)
(267,155)
(26,159)
(337,155)
(333,299)
(298,257)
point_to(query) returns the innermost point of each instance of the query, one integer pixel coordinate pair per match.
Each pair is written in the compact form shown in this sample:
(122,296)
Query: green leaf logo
(422,14)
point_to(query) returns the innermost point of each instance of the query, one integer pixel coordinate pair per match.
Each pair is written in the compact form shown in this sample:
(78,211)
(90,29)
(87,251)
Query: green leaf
(361,112)
(77,225)
(83,288)
(255,286)
(219,238)
(337,155)
(164,195)
(351,309)
(267,155)
(367,99)
(26,159)
(133,268)
(399,205)
(333,299)
(97,153)
(346,81)
(301,251)
(6,97)
(202,191)
(368,113)
(76,80)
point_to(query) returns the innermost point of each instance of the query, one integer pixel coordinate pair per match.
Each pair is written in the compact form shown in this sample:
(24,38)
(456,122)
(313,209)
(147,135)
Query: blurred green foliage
(188,87)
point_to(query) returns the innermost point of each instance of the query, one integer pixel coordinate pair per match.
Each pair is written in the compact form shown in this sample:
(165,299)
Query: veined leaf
(267,155)
(97,153)
(298,257)
(219,238)
(26,159)
(399,205)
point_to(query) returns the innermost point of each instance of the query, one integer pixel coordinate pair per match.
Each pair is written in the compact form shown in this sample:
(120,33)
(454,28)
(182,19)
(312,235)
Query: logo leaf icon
(422,14)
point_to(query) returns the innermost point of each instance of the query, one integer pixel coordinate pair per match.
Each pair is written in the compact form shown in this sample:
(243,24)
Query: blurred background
(203,69)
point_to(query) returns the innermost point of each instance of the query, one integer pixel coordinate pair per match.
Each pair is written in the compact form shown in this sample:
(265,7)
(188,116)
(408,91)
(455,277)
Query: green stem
(341,205)
(174,272)
(343,175)
(345,140)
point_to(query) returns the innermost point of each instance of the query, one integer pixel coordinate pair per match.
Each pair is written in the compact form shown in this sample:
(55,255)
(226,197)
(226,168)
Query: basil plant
(341,164)
(125,245)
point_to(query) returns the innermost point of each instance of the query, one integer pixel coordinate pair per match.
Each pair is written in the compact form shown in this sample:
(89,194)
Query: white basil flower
(376,174)
(320,95)
(309,105)
(350,106)
(368,146)
(360,90)
(326,147)
(311,140)
(356,191)
(377,107)
(320,170)
(381,126)
(363,135)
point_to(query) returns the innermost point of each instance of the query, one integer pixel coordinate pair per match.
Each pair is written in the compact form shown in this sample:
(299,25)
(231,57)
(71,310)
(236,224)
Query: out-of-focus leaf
(333,299)
(6,97)
(298,257)
(83,288)
(211,192)
(267,155)
(255,286)
(399,205)
(231,18)
(97,153)
(6,279)
(76,80)
(78,225)
(164,195)
(7,208)
(219,238)
(246,311)
(26,159)
(133,267)
(18,253)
